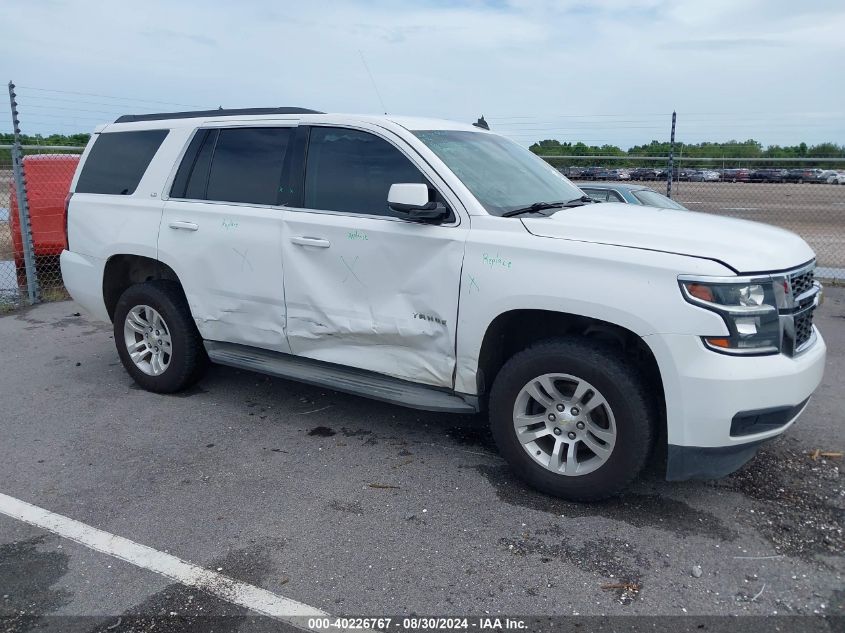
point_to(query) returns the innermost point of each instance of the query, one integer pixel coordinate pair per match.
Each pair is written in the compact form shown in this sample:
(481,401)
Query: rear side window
(117,161)
(233,165)
(596,194)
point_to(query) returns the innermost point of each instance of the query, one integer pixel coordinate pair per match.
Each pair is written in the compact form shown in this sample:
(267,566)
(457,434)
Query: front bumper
(707,392)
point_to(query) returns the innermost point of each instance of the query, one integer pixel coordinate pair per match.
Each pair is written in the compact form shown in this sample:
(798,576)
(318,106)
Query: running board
(339,378)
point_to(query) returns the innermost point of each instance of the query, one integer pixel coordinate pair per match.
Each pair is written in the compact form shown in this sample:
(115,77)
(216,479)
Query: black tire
(623,389)
(188,360)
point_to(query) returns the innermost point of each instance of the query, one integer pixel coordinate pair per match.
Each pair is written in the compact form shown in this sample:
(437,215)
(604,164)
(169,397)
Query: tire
(162,305)
(632,416)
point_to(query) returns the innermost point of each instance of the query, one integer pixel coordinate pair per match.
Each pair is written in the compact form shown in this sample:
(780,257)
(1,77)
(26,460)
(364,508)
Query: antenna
(375,87)
(482,123)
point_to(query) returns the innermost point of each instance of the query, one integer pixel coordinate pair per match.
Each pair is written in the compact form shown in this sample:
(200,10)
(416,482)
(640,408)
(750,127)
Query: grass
(54,293)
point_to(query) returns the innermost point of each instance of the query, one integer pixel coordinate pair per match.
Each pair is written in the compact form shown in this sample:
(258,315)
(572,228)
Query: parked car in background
(595,173)
(767,175)
(630,194)
(677,174)
(837,178)
(704,175)
(828,176)
(803,174)
(571,172)
(619,174)
(48,178)
(735,175)
(644,173)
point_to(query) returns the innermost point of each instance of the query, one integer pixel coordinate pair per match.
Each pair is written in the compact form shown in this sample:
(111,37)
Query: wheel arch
(515,330)
(124,270)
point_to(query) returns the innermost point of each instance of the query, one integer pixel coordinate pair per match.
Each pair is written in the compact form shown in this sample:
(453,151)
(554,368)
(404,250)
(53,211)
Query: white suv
(440,266)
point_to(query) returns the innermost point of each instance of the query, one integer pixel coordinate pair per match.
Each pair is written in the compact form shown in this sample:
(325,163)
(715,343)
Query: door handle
(185,226)
(311,241)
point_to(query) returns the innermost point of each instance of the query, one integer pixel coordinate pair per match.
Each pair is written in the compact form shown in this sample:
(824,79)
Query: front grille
(799,315)
(801,282)
(803,327)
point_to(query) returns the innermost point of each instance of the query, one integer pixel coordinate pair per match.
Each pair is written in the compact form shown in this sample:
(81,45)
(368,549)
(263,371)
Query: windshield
(653,199)
(502,175)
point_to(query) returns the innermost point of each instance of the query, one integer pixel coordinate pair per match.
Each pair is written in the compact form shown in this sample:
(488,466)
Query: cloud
(167,35)
(551,68)
(722,44)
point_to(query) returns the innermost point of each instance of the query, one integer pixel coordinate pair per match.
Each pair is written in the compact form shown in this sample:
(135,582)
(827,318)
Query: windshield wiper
(541,206)
(578,202)
(533,208)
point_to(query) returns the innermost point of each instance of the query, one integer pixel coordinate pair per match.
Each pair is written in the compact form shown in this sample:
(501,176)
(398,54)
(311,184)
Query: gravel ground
(359,507)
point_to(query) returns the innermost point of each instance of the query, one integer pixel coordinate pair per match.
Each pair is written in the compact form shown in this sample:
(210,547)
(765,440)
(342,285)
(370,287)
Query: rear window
(118,160)
(651,198)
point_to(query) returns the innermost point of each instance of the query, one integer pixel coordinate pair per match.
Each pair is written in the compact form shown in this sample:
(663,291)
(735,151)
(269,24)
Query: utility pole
(671,158)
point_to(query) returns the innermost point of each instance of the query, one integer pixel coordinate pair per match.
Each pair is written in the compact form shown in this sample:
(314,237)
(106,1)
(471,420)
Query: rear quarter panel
(101,225)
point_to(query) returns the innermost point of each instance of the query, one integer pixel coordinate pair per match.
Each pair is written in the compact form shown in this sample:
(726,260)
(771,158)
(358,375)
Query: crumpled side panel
(382,297)
(230,266)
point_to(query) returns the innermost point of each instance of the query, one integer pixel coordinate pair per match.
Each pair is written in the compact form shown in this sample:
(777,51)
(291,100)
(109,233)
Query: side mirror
(409,201)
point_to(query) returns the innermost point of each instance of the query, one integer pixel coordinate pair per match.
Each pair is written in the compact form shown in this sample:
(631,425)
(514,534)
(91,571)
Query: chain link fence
(47,172)
(798,195)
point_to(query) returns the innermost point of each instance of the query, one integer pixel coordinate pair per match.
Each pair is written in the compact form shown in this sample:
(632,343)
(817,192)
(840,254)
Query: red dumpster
(48,178)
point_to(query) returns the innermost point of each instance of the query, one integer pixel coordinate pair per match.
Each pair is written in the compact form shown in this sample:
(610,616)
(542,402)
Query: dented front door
(364,289)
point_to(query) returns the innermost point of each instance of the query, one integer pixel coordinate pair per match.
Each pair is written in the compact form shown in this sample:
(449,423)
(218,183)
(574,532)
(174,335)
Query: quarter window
(117,161)
(351,171)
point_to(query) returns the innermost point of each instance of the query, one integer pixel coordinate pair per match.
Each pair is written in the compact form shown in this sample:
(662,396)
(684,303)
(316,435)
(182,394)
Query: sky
(606,71)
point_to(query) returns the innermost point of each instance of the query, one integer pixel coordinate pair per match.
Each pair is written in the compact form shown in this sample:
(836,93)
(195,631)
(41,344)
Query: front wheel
(157,340)
(572,419)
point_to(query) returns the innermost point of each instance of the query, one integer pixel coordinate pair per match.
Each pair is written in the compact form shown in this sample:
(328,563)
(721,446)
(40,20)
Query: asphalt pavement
(357,507)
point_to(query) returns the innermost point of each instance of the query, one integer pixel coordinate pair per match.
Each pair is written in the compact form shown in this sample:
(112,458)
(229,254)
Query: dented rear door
(364,289)
(222,232)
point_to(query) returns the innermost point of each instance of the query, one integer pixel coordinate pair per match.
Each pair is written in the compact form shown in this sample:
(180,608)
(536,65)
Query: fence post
(23,207)
(671,159)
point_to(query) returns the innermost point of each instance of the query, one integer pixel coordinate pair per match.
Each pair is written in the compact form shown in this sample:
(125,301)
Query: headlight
(749,308)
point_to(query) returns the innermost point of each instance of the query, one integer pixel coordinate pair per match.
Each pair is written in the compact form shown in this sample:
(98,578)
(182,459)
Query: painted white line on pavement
(229,589)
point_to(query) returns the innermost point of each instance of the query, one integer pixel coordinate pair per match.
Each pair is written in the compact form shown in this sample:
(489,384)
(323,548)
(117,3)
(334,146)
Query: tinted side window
(247,165)
(117,161)
(613,196)
(351,171)
(189,161)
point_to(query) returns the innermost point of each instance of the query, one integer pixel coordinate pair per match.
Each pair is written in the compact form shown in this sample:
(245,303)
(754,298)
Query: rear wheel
(572,419)
(157,340)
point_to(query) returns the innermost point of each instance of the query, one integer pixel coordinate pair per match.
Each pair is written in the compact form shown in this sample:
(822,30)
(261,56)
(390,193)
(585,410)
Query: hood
(743,245)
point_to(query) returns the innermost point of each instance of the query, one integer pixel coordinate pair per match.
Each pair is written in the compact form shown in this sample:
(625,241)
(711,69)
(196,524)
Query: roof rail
(131,118)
